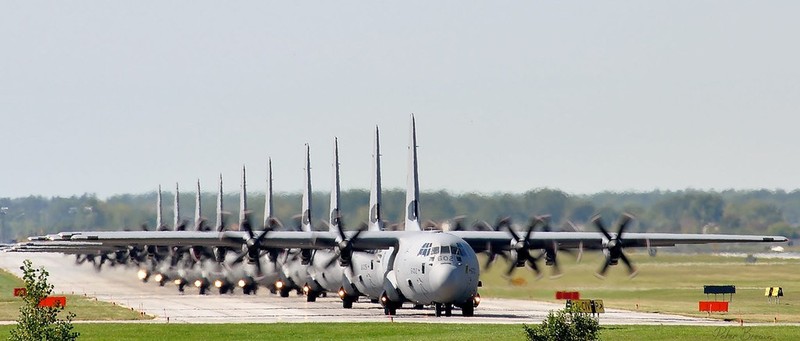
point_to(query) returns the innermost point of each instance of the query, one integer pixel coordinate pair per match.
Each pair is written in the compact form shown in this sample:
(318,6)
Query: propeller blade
(261,236)
(602,272)
(623,224)
(259,271)
(532,263)
(513,233)
(332,261)
(510,269)
(599,223)
(239,257)
(631,270)
(532,226)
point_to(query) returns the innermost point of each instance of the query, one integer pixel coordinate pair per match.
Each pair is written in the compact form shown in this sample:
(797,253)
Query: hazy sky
(115,97)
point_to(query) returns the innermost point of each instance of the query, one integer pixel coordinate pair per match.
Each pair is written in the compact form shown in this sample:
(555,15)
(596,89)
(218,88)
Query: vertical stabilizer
(375,216)
(220,224)
(269,207)
(197,217)
(159,210)
(177,209)
(412,184)
(243,198)
(334,212)
(305,219)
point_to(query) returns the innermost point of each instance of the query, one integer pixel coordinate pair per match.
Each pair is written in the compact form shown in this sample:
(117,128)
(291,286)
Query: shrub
(564,325)
(37,322)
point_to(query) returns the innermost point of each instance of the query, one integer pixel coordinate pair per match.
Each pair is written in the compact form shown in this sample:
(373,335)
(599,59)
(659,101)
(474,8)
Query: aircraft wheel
(285,292)
(438,307)
(311,297)
(347,303)
(448,309)
(468,309)
(390,310)
(419,306)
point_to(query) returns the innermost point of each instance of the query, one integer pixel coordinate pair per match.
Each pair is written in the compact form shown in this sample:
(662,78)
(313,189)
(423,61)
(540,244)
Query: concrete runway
(120,285)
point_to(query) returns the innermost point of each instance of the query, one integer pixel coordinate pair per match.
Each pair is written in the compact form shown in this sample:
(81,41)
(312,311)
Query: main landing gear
(389,306)
(442,308)
(467,308)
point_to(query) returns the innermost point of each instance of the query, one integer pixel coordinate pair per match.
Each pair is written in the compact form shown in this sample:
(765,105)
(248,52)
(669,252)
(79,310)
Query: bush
(564,325)
(36,322)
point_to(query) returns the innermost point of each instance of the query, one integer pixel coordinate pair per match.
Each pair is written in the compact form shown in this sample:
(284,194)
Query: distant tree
(37,322)
(581,211)
(783,229)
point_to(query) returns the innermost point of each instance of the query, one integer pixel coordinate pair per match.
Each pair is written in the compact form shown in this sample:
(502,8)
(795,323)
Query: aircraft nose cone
(449,283)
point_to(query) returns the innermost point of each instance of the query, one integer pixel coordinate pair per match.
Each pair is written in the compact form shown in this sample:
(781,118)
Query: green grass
(403,331)
(85,308)
(666,283)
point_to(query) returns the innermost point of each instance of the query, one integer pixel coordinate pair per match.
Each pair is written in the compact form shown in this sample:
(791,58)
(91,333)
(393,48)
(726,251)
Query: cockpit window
(424,250)
(435,250)
(456,249)
(445,249)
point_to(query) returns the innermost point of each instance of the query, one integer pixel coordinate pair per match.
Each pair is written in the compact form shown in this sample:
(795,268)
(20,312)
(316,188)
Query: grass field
(403,331)
(666,283)
(85,308)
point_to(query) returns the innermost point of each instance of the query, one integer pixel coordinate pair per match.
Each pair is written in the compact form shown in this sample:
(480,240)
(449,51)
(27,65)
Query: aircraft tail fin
(334,212)
(159,210)
(375,216)
(197,218)
(412,184)
(220,225)
(305,222)
(177,209)
(269,207)
(243,197)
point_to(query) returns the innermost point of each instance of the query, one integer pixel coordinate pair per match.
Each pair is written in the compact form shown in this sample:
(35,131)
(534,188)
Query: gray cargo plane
(422,267)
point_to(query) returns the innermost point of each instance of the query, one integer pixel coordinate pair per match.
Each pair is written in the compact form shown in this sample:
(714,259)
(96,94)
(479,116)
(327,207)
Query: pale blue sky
(118,97)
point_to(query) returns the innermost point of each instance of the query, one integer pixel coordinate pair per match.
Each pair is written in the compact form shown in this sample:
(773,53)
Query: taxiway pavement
(120,285)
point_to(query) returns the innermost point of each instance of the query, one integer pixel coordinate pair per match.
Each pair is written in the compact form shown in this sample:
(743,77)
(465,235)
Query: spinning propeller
(489,249)
(252,246)
(613,245)
(522,248)
(344,245)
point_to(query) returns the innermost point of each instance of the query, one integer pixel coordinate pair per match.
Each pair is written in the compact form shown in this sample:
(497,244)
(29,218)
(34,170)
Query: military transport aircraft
(438,268)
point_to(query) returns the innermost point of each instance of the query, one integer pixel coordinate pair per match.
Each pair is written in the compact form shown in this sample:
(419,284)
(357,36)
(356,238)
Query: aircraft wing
(499,240)
(478,240)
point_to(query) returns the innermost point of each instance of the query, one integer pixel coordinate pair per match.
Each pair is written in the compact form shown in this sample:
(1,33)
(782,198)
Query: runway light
(142,274)
(279,285)
(159,277)
(218,284)
(342,294)
(198,283)
(242,283)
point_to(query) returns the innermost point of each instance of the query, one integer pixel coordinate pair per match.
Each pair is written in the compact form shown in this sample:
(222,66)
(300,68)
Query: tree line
(685,211)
